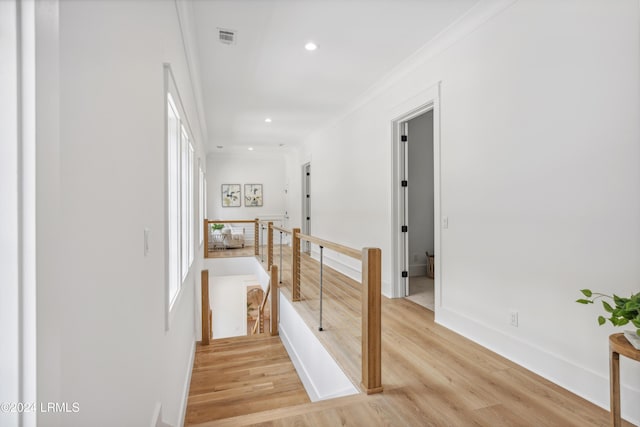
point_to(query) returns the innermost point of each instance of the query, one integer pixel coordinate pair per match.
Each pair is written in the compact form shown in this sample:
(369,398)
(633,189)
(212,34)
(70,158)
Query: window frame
(179,192)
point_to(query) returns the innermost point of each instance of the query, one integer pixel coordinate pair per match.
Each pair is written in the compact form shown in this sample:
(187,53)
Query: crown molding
(185,22)
(474,18)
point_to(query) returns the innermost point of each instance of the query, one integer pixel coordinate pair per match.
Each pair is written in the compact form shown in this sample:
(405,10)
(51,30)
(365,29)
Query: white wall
(253,167)
(540,179)
(10,356)
(320,374)
(101,303)
(420,189)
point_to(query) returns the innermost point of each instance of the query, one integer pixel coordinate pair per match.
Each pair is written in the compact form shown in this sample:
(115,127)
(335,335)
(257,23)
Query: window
(180,194)
(173,158)
(201,215)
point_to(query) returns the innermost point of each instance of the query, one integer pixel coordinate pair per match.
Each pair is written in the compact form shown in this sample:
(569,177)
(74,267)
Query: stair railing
(272,297)
(207,318)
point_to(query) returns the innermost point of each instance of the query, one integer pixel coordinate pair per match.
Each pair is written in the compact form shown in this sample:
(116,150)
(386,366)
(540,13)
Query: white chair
(233,237)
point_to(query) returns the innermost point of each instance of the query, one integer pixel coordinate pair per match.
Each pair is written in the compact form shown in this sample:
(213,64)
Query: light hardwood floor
(431,375)
(241,375)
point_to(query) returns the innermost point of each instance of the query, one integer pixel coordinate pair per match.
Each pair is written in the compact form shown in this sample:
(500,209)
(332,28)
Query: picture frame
(230,195)
(253,195)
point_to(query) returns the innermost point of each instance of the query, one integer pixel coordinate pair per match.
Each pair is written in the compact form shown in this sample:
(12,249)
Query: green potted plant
(215,227)
(622,312)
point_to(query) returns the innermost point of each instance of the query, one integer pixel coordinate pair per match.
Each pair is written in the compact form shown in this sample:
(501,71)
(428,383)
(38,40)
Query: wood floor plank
(239,376)
(431,375)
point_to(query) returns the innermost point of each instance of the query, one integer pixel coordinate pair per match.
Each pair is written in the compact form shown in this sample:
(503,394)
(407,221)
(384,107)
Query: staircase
(239,376)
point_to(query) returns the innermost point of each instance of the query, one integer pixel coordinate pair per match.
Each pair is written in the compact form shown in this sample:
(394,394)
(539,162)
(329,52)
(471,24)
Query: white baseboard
(417,270)
(156,419)
(584,382)
(187,383)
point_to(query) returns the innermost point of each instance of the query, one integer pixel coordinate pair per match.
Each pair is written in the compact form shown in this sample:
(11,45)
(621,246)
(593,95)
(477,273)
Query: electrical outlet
(513,318)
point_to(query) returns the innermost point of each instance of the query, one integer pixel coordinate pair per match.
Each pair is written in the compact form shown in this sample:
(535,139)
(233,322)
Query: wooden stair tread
(242,375)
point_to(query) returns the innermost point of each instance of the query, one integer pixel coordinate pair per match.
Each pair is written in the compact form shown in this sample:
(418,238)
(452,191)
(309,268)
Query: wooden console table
(618,345)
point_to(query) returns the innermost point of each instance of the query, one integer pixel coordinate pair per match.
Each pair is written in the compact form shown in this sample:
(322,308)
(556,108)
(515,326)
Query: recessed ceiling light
(267,120)
(311,46)
(219,147)
(250,148)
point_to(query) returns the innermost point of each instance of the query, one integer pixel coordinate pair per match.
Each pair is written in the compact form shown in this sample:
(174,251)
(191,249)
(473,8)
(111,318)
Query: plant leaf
(601,320)
(620,302)
(586,292)
(607,307)
(584,301)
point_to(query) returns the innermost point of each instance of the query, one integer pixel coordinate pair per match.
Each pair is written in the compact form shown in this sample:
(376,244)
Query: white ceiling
(268,73)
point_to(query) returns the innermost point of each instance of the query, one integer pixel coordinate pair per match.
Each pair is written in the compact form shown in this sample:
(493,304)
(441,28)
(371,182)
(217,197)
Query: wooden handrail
(260,319)
(284,230)
(231,221)
(353,253)
(206,308)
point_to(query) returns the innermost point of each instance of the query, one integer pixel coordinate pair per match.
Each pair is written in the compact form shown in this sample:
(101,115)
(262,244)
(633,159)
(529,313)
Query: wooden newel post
(371,320)
(206,238)
(275,294)
(256,237)
(206,311)
(295,266)
(270,245)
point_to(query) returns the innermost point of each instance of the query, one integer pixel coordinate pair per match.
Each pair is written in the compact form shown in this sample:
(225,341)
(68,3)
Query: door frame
(306,206)
(424,101)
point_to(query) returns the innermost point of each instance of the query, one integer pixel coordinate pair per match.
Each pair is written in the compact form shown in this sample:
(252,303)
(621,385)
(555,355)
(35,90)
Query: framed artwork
(253,195)
(230,195)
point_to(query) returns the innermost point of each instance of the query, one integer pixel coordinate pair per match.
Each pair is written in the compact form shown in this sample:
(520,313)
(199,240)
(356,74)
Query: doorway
(419,235)
(404,268)
(306,206)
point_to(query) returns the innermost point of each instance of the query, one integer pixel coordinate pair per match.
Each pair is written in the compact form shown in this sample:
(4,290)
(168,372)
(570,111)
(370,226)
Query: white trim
(167,255)
(424,101)
(185,390)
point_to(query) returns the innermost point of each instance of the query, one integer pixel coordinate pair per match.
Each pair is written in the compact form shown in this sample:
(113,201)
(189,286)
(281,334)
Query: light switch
(445,222)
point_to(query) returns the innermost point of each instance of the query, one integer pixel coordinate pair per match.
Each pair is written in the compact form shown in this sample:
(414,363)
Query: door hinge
(308,218)
(307,196)
(404,138)
(405,183)
(308,173)
(405,274)
(405,228)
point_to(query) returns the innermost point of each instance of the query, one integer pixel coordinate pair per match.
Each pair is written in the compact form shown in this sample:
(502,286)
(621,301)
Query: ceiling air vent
(226,36)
